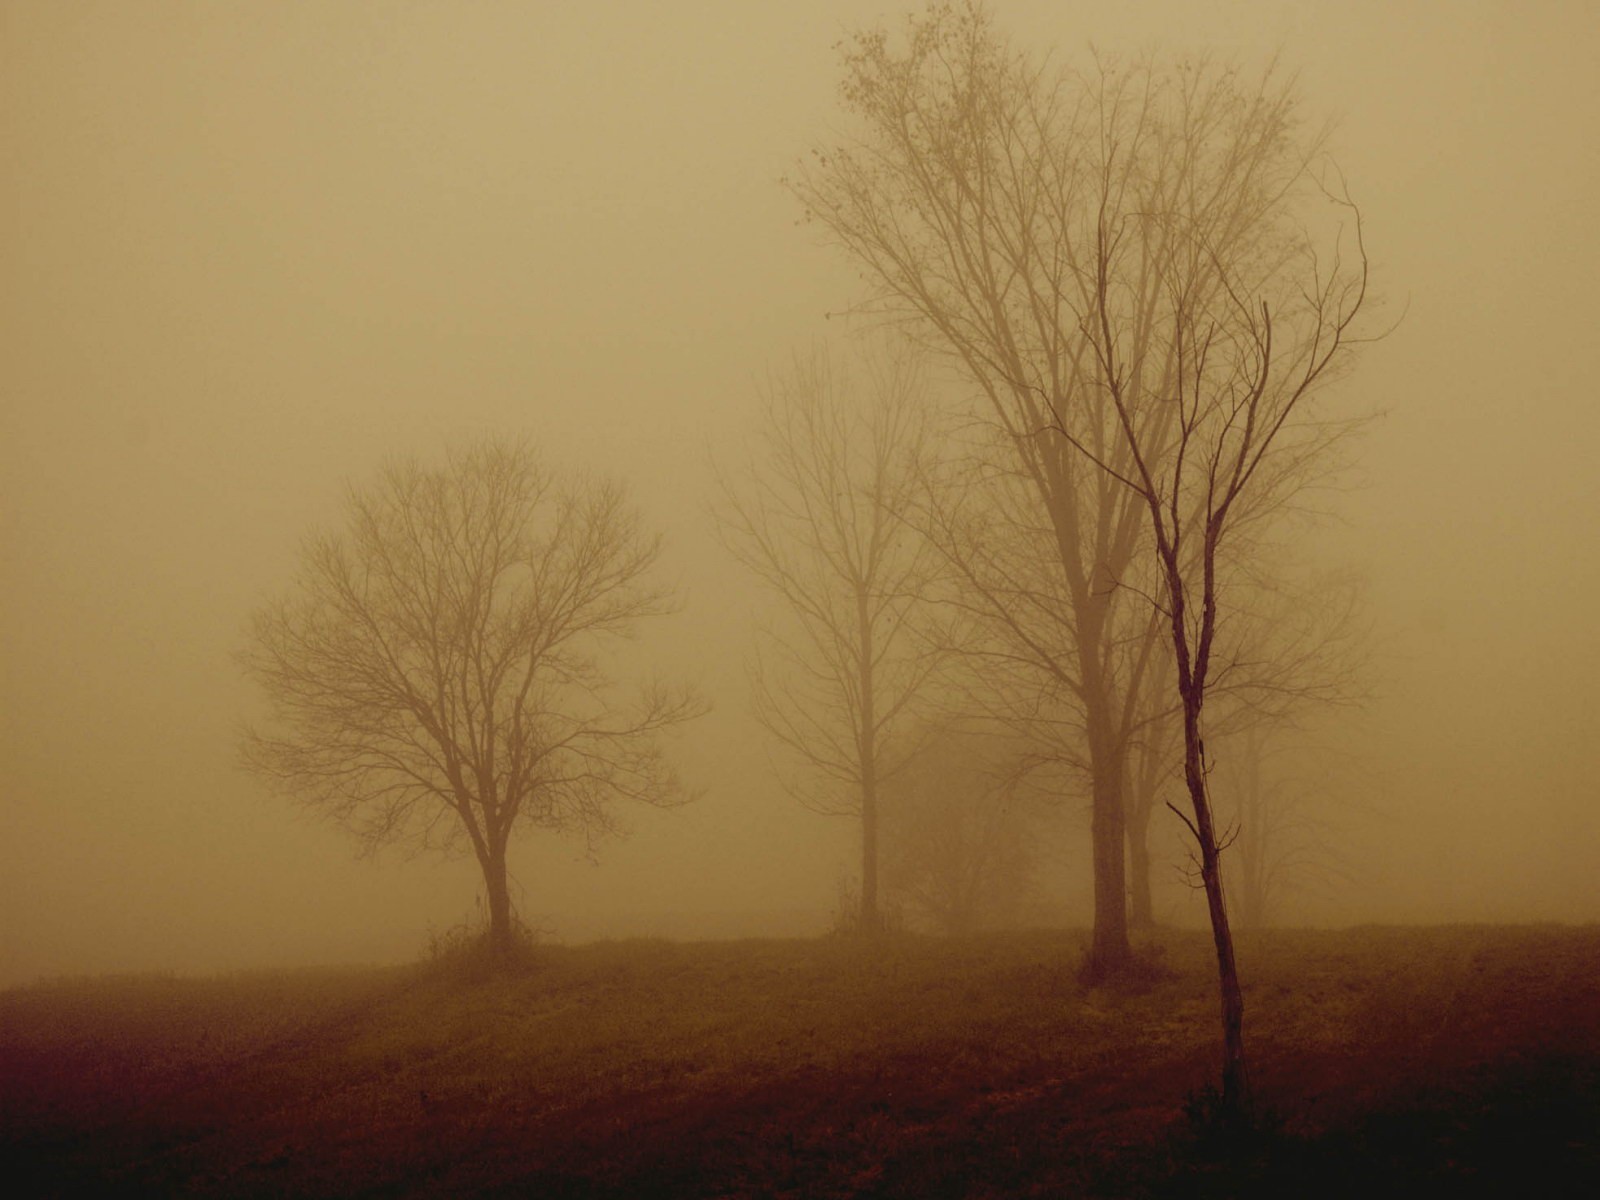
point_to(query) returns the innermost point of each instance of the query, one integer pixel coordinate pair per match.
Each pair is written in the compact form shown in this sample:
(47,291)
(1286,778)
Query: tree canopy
(438,671)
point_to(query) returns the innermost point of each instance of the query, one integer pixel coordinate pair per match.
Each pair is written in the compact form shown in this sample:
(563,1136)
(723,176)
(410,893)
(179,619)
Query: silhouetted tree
(953,195)
(818,518)
(437,672)
(1126,262)
(1197,225)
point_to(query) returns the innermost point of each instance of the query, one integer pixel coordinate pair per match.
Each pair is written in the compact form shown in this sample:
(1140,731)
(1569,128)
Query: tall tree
(818,517)
(1018,656)
(437,672)
(1125,261)
(957,193)
(1205,221)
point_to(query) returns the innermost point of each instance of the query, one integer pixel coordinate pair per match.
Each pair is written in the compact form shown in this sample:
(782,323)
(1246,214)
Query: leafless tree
(438,671)
(1018,660)
(1198,226)
(818,518)
(952,194)
(1306,649)
(1127,262)
(1272,788)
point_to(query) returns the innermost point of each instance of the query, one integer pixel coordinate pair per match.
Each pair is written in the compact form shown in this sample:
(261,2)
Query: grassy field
(1393,1061)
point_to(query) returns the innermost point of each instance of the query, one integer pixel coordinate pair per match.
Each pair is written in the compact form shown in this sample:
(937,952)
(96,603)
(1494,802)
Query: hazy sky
(247,250)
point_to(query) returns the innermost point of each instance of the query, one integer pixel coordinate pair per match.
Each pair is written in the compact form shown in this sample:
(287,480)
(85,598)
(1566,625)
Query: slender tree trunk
(1235,1082)
(870,918)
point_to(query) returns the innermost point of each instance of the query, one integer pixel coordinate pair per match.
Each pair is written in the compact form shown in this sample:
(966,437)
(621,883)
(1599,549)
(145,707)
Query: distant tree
(1268,788)
(818,518)
(959,832)
(438,673)
(1018,657)
(1294,648)
(1309,649)
(1154,762)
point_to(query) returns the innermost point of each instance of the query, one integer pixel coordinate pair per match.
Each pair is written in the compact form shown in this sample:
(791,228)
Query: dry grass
(1456,1057)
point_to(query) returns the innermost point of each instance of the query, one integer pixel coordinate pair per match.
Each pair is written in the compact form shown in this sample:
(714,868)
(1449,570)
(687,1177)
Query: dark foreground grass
(1448,1061)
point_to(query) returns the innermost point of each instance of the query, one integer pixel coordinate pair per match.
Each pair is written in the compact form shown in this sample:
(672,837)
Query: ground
(1406,1061)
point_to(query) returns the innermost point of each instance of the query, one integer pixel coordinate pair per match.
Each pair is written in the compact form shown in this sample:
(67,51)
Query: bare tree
(955,195)
(1308,647)
(818,518)
(1197,224)
(1126,261)
(1273,789)
(437,672)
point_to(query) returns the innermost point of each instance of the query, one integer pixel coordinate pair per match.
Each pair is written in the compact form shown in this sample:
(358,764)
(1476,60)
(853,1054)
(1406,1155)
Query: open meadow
(1387,1060)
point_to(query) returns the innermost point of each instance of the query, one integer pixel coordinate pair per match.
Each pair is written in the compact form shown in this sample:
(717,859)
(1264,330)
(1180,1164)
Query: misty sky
(247,250)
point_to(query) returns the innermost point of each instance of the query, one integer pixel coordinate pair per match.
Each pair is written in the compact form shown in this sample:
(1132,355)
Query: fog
(251,250)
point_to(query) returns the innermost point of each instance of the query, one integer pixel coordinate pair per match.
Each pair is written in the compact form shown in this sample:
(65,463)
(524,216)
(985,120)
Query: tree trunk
(870,917)
(1235,1083)
(868,741)
(501,939)
(1109,950)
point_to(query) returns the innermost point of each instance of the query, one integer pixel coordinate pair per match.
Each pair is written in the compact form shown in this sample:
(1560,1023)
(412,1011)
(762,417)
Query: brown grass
(1453,1058)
